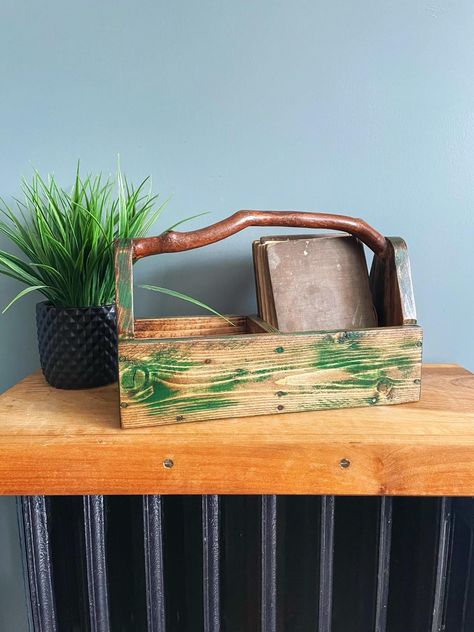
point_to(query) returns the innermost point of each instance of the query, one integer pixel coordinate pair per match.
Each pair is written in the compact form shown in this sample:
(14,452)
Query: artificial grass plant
(67,237)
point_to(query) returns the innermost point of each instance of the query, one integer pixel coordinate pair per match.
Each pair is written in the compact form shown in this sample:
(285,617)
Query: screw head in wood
(168,463)
(344,463)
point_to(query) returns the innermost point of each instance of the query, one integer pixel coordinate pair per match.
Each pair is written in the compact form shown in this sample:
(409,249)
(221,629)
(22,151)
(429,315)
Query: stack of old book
(313,283)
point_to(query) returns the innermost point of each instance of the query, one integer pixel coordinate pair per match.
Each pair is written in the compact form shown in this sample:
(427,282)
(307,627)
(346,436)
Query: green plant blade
(27,290)
(185,297)
(66,237)
(186,219)
(19,268)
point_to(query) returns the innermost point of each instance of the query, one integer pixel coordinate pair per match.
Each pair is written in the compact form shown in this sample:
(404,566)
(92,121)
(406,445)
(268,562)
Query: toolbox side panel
(182,380)
(392,287)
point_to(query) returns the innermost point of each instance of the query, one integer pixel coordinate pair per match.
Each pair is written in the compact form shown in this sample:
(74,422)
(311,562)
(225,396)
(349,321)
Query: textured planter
(77,346)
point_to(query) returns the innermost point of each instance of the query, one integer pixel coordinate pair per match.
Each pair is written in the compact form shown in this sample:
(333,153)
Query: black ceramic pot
(78,345)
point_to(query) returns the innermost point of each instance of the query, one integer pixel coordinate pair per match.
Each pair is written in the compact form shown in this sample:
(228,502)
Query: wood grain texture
(173,241)
(317,283)
(194,379)
(191,326)
(183,326)
(164,381)
(124,288)
(391,285)
(256,325)
(70,442)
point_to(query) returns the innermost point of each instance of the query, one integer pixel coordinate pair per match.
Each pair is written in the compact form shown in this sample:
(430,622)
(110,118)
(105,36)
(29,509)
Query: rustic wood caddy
(174,370)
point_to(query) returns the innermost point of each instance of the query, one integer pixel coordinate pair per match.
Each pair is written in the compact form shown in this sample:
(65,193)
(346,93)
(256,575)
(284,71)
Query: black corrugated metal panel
(154,572)
(39,562)
(249,563)
(126,573)
(96,563)
(211,561)
(269,563)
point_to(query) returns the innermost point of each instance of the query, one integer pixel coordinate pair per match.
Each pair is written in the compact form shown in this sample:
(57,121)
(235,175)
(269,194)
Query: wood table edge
(127,463)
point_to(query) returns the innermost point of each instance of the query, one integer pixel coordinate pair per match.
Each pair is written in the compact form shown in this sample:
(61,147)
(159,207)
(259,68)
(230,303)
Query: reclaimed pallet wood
(391,285)
(185,327)
(124,288)
(190,326)
(184,380)
(194,369)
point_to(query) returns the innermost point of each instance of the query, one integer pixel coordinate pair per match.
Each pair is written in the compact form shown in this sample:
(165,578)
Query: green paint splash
(158,383)
(368,366)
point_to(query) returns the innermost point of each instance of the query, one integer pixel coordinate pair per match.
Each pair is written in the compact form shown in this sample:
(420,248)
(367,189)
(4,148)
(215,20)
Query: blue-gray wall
(365,107)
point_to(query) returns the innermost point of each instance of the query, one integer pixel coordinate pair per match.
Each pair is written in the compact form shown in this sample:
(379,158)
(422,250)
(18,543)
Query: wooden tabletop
(70,442)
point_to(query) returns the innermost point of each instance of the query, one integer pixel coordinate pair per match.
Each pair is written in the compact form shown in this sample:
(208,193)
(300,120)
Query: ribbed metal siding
(249,563)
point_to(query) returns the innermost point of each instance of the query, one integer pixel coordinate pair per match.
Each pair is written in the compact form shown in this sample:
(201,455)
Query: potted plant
(67,240)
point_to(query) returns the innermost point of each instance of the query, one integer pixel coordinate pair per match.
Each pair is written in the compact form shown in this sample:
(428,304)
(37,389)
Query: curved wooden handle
(177,242)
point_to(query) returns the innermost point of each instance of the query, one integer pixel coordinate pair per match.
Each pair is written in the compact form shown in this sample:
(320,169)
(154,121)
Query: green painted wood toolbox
(177,370)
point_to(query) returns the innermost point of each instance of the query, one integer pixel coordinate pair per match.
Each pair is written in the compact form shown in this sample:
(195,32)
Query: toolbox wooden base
(182,378)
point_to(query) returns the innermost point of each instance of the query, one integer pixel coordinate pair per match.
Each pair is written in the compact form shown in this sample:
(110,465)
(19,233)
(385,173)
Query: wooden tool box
(176,370)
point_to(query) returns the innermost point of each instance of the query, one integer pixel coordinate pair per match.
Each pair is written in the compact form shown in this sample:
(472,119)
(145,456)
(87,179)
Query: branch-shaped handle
(176,241)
